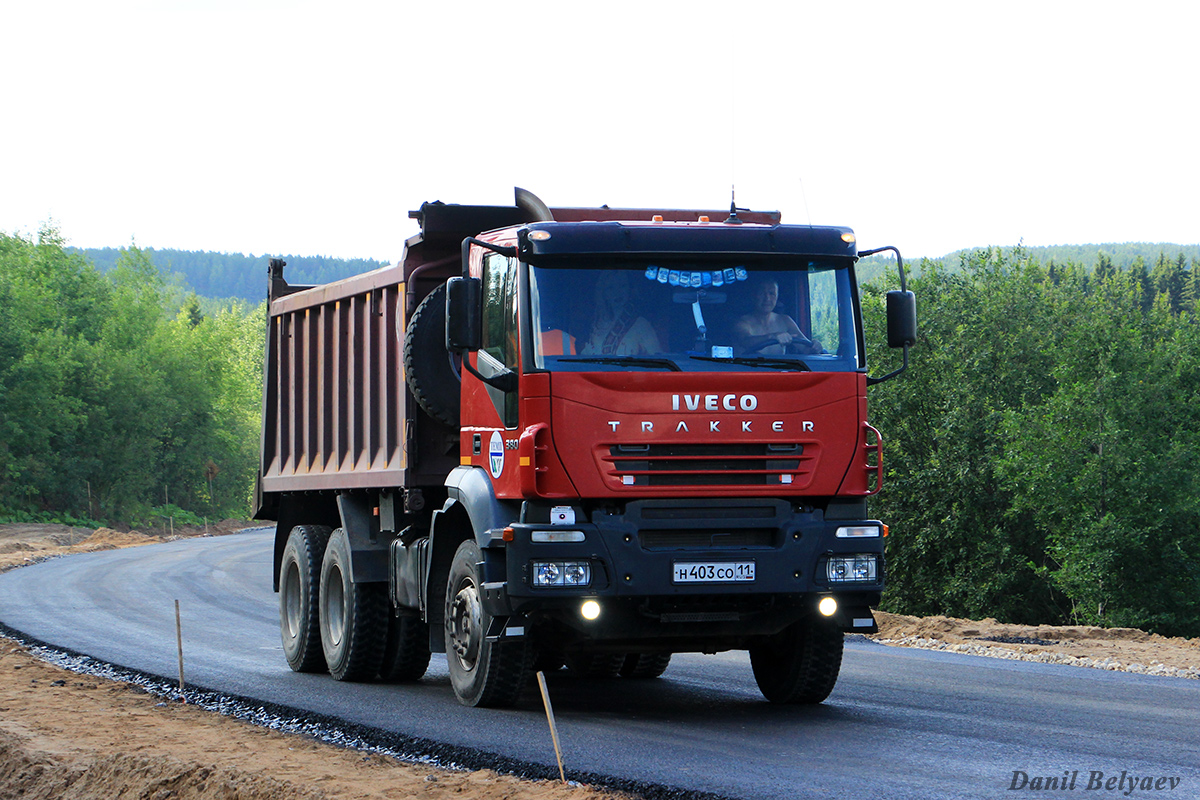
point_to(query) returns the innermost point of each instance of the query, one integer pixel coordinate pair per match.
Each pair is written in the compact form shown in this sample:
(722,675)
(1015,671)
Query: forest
(222,275)
(1039,453)
(124,399)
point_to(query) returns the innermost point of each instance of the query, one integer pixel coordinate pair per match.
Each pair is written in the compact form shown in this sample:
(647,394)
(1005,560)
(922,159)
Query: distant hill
(1123,256)
(234,275)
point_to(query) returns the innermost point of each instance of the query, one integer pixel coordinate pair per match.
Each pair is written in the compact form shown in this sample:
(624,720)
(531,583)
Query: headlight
(852,569)
(561,574)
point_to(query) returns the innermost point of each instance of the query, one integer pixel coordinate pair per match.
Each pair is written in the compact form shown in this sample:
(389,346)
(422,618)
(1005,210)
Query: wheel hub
(466,634)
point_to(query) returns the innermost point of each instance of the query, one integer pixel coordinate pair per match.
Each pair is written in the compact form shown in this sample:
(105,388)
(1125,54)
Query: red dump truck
(589,438)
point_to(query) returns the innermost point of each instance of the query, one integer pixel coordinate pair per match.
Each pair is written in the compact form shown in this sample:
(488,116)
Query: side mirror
(901,319)
(463,308)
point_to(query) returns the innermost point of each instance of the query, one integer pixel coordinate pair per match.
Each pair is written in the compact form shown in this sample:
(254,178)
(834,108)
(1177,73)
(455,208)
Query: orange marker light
(507,535)
(657,218)
(705,219)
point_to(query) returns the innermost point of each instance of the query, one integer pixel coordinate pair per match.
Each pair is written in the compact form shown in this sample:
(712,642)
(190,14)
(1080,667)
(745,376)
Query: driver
(765,331)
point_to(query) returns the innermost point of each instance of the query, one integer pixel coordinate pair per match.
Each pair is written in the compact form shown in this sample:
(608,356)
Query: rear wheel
(353,616)
(642,666)
(483,673)
(800,664)
(299,582)
(595,665)
(406,654)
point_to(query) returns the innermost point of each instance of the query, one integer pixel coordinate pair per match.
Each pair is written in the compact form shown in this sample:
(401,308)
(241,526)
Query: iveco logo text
(713,402)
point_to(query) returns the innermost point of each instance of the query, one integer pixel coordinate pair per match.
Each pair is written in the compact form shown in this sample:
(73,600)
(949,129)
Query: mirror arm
(508,251)
(872,381)
(903,288)
(899,262)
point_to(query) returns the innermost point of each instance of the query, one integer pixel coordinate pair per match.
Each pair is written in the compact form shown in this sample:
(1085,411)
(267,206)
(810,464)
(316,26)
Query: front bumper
(634,553)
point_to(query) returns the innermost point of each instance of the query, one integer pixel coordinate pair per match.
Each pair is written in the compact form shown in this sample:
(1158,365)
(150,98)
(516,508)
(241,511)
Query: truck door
(489,414)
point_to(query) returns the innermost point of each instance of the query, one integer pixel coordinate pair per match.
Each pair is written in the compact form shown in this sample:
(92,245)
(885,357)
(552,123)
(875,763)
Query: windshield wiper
(627,361)
(759,361)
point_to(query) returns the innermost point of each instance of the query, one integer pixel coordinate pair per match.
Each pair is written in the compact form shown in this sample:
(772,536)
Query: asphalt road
(901,723)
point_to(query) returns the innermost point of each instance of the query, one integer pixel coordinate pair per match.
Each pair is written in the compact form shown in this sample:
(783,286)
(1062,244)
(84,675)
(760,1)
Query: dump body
(590,436)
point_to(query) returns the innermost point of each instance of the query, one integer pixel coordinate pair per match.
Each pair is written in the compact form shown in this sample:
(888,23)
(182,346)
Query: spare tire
(432,372)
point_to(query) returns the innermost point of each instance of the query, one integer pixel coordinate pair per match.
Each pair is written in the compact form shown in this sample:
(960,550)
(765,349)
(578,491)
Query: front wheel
(800,664)
(482,672)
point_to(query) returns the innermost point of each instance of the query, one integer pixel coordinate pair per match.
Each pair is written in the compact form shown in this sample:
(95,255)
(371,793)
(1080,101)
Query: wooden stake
(553,727)
(179,642)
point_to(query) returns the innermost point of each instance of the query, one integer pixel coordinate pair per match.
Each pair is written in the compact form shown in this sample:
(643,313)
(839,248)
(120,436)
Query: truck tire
(644,666)
(800,664)
(483,673)
(299,582)
(353,616)
(406,654)
(595,665)
(549,659)
(432,372)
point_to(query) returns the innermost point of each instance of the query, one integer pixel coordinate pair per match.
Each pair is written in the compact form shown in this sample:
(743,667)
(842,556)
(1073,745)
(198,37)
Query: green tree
(1170,278)
(1105,465)
(984,349)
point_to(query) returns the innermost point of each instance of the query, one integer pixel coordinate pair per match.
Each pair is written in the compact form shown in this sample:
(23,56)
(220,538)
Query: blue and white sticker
(496,454)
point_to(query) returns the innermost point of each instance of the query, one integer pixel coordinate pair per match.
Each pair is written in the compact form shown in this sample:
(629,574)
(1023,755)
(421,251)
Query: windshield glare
(701,316)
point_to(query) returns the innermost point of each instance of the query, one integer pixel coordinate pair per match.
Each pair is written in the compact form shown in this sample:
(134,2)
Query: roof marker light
(657,218)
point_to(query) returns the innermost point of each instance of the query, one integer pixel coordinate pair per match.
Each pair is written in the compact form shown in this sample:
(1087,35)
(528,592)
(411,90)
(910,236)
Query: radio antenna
(733,209)
(804,197)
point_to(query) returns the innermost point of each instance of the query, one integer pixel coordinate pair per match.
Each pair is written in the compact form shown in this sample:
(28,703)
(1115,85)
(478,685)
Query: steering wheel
(791,347)
(763,345)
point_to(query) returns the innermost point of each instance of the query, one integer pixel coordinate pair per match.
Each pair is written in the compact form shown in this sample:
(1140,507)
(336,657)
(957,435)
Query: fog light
(827,606)
(590,610)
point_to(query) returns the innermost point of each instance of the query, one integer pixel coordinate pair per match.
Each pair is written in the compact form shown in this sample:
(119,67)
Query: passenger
(616,329)
(765,331)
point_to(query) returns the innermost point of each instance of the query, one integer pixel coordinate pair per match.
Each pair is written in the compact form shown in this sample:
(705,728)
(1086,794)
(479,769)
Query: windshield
(773,313)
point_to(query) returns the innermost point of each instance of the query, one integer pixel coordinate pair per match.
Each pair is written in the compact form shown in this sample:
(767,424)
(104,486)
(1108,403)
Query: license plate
(713,572)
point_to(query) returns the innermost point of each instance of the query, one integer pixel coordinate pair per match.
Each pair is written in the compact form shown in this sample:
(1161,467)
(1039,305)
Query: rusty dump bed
(334,392)
(337,414)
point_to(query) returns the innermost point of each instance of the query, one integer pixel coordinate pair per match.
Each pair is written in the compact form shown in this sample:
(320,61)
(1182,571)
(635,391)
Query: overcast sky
(312,128)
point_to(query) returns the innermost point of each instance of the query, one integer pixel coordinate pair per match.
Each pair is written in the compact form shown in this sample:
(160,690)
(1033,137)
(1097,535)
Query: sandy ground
(1125,649)
(68,735)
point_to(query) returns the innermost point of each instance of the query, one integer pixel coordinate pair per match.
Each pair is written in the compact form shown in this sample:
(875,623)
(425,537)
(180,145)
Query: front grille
(707,539)
(744,464)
